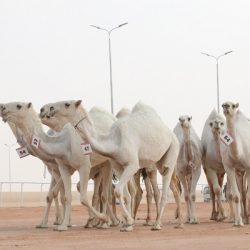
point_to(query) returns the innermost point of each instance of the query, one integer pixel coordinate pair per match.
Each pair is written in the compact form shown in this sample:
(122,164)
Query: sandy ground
(17,231)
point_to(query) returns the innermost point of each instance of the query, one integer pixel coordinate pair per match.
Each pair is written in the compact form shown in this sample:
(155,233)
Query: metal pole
(9,148)
(110,62)
(217,75)
(110,77)
(218,87)
(9,169)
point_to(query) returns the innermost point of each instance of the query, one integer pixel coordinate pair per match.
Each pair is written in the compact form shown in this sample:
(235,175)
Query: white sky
(48,52)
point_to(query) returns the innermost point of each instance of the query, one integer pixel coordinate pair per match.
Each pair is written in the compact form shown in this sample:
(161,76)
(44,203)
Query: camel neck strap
(76,126)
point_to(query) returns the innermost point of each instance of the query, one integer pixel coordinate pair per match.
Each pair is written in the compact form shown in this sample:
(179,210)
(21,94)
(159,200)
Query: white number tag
(22,152)
(226,138)
(35,141)
(86,149)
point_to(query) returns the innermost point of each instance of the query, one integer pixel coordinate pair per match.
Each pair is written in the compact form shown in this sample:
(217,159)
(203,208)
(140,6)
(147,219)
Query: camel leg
(166,179)
(95,201)
(174,186)
(132,191)
(49,199)
(166,167)
(56,183)
(152,176)
(240,178)
(84,171)
(212,194)
(66,177)
(229,198)
(139,192)
(194,180)
(235,195)
(127,200)
(248,189)
(127,174)
(216,186)
(106,173)
(184,183)
(59,188)
(149,196)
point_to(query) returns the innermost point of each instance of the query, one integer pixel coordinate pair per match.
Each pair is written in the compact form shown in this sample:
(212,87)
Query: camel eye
(67,104)
(222,123)
(41,110)
(189,119)
(19,106)
(233,106)
(51,108)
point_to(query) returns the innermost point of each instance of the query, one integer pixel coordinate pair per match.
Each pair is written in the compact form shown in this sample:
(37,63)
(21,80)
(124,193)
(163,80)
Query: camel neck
(188,145)
(217,146)
(232,131)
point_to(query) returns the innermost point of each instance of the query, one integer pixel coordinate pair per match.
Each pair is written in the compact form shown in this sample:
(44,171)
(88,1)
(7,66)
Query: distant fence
(18,193)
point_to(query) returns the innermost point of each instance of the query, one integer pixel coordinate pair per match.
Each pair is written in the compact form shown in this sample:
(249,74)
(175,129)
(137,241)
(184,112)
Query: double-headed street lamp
(110,61)
(9,148)
(217,74)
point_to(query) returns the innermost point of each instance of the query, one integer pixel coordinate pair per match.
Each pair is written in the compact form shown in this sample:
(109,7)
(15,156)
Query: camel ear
(29,105)
(77,103)
(237,105)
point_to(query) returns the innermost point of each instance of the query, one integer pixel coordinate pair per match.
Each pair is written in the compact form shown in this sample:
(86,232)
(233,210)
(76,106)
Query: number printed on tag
(35,141)
(22,152)
(226,138)
(86,148)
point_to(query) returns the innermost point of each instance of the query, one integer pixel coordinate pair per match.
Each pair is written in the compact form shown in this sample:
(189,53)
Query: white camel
(139,139)
(57,115)
(235,152)
(188,163)
(215,125)
(101,170)
(52,167)
(149,176)
(65,147)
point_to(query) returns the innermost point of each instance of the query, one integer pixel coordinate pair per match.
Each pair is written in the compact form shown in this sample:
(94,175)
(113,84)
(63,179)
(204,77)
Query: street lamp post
(110,61)
(217,74)
(9,148)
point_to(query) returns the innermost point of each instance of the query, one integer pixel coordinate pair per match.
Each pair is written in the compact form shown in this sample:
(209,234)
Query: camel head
(49,120)
(185,121)
(60,112)
(15,111)
(230,108)
(217,126)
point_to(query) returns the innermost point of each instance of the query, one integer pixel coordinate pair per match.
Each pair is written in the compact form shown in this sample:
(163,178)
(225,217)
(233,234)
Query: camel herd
(129,145)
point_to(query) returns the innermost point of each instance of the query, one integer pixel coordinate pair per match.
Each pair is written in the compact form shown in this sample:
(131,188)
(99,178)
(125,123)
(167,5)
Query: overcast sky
(49,52)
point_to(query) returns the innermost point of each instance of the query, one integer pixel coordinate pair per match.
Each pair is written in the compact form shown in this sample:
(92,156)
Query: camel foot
(88,226)
(104,217)
(103,226)
(58,221)
(194,222)
(61,228)
(42,226)
(127,229)
(115,223)
(221,218)
(148,223)
(90,223)
(238,225)
(179,226)
(214,216)
(156,227)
